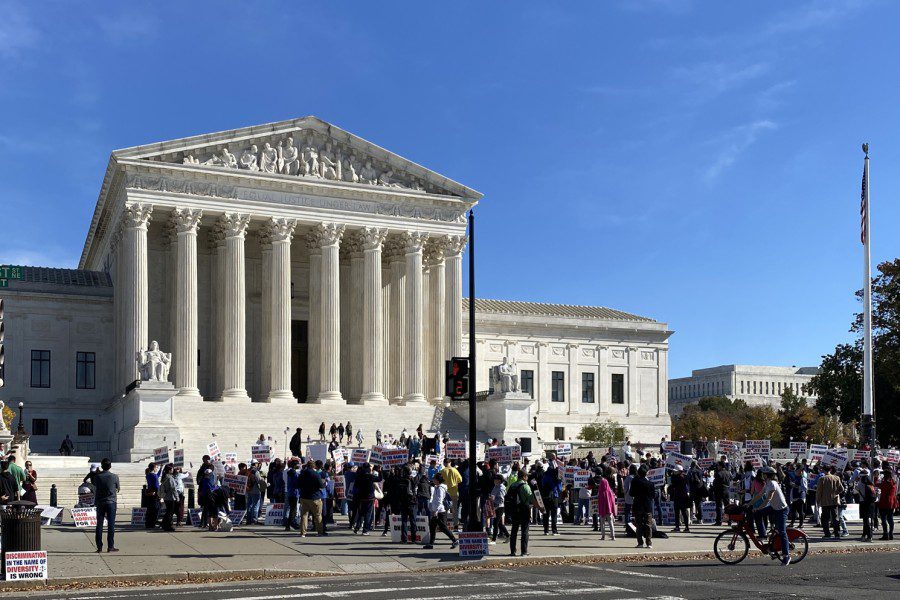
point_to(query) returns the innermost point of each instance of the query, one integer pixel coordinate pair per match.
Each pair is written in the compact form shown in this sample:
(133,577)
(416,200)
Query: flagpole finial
(865,148)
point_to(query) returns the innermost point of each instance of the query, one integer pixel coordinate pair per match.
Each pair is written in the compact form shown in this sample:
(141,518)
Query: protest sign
(620,508)
(708,512)
(817,452)
(30,564)
(261,453)
(359,456)
(235,482)
(594,507)
(421,533)
(729,447)
(138,517)
(754,460)
(275,514)
(212,449)
(835,459)
(893,456)
(49,513)
(813,480)
(677,458)
(563,450)
(706,463)
(671,446)
(394,457)
(236,516)
(851,513)
(161,455)
(339,456)
(178,457)
(230,459)
(437,458)
(668,512)
(317,452)
(505,455)
(797,448)
(576,476)
(196,515)
(657,476)
(456,450)
(84,517)
(539,501)
(340,490)
(473,544)
(761,448)
(86,499)
(188,482)
(861,455)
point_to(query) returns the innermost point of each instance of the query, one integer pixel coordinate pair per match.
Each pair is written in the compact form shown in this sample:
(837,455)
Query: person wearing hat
(680,493)
(867,497)
(776,507)
(256,487)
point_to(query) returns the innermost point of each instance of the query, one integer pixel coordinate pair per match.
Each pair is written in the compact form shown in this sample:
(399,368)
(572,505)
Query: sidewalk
(270,551)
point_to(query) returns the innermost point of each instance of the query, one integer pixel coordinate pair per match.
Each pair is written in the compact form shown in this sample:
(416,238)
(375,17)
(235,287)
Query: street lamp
(21,428)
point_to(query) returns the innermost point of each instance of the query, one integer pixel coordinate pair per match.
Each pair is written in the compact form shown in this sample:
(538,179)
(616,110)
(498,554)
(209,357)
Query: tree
(839,383)
(791,402)
(8,416)
(604,433)
(796,417)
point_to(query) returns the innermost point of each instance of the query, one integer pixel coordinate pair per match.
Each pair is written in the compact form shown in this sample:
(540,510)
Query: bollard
(54,496)
(191,498)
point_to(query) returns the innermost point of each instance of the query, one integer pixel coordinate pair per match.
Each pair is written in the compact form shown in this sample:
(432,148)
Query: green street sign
(4,283)
(10,272)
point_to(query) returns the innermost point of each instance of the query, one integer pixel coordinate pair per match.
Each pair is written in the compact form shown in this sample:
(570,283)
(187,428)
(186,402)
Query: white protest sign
(394,457)
(421,533)
(861,455)
(893,456)
(729,447)
(212,449)
(48,513)
(576,477)
(235,482)
(456,450)
(359,456)
(672,446)
(657,476)
(161,455)
(708,511)
(178,457)
(275,514)
(340,487)
(754,460)
(759,447)
(28,565)
(668,512)
(196,515)
(835,459)
(138,517)
(797,448)
(339,456)
(236,516)
(817,452)
(505,455)
(674,459)
(317,452)
(473,544)
(563,450)
(84,517)
(86,499)
(851,513)
(261,453)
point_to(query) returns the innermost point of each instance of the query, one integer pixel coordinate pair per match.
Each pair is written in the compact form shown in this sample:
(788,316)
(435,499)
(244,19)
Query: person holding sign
(106,489)
(438,509)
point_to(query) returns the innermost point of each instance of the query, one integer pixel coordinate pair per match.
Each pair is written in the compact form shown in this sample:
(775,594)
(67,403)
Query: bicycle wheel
(731,547)
(799,545)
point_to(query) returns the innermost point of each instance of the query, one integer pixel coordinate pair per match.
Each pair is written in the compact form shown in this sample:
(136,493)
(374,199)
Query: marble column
(386,349)
(453,248)
(135,302)
(603,381)
(279,233)
(264,235)
(631,382)
(186,222)
(116,252)
(330,235)
(437,339)
(396,251)
(355,355)
(574,379)
(662,382)
(414,365)
(235,314)
(373,325)
(314,323)
(169,318)
(216,241)
(544,386)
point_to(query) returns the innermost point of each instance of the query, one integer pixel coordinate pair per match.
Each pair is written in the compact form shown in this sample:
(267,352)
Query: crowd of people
(510,499)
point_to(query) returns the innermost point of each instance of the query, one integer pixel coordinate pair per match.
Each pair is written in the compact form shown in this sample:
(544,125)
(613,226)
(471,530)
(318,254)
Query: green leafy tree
(604,433)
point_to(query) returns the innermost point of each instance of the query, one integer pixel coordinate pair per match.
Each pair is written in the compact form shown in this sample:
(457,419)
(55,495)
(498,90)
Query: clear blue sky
(695,163)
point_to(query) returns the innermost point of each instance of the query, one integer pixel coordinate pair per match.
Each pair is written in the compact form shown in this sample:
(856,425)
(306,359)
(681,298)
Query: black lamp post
(21,428)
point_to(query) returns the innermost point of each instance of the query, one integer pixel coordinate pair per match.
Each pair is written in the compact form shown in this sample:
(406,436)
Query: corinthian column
(235,314)
(279,233)
(415,347)
(434,261)
(330,334)
(396,255)
(373,323)
(453,248)
(186,221)
(135,307)
(314,322)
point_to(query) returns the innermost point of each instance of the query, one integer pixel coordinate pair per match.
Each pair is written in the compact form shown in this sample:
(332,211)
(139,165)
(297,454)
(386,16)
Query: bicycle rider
(774,505)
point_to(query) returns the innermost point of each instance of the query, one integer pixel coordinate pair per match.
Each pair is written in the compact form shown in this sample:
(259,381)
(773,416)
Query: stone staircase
(68,478)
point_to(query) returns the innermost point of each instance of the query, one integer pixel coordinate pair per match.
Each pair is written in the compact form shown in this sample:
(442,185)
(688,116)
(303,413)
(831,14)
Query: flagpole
(868,407)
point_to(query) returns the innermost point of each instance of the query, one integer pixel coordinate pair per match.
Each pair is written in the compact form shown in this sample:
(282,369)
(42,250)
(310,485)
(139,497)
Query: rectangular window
(559,386)
(587,388)
(526,381)
(40,368)
(618,388)
(559,433)
(86,427)
(40,427)
(85,369)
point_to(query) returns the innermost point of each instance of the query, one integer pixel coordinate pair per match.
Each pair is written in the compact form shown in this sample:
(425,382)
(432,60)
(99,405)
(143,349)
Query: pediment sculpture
(313,155)
(153,363)
(505,377)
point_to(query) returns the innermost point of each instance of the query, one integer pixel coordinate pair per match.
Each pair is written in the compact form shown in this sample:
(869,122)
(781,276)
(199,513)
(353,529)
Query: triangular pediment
(307,148)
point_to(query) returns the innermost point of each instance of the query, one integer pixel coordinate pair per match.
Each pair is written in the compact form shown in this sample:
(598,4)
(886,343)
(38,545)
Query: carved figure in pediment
(190,160)
(288,157)
(248,158)
(417,185)
(311,159)
(351,169)
(368,174)
(387,179)
(268,159)
(329,163)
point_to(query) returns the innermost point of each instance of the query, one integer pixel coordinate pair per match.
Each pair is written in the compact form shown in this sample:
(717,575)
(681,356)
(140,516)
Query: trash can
(21,529)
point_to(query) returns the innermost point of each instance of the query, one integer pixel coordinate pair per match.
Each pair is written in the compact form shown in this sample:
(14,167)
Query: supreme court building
(297,274)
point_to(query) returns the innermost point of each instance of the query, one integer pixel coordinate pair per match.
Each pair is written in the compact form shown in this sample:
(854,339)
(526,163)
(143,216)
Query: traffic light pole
(474,523)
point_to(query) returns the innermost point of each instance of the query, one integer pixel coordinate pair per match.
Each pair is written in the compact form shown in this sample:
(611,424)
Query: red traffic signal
(457,381)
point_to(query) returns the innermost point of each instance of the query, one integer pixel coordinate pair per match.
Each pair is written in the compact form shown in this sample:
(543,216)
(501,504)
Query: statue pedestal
(6,438)
(507,416)
(144,420)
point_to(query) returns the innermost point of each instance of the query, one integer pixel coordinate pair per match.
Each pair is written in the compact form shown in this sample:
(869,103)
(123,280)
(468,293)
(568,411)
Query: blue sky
(697,163)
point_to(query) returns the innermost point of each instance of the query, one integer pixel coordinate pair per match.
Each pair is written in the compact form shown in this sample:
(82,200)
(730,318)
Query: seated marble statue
(153,363)
(505,377)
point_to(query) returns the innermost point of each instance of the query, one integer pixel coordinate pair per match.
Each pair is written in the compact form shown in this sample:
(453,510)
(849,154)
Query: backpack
(511,499)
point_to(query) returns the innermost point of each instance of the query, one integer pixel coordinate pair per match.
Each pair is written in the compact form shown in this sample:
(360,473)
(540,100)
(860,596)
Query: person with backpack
(697,485)
(551,488)
(517,502)
(438,508)
(867,497)
(497,502)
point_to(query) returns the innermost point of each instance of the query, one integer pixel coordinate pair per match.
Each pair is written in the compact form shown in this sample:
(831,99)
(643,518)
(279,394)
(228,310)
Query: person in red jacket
(887,504)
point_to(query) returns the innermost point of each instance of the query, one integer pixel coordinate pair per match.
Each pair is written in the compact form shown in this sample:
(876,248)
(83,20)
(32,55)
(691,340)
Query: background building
(754,384)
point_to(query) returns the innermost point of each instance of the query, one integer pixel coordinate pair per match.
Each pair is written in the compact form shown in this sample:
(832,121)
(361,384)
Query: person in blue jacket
(292,495)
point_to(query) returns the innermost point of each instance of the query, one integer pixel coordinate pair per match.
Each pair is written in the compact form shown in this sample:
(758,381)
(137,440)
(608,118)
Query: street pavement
(860,576)
(191,552)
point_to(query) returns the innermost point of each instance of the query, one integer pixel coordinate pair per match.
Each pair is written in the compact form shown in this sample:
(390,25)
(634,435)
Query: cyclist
(774,504)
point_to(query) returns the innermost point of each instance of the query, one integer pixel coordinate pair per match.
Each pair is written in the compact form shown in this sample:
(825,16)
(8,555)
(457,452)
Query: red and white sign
(161,455)
(456,450)
(85,517)
(212,449)
(27,565)
(238,483)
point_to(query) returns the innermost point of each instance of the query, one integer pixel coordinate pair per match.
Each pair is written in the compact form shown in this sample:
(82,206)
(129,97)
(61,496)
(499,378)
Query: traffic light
(457,384)
(2,349)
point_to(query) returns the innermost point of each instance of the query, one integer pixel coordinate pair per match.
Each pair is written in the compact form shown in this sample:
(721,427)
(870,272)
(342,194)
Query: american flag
(863,211)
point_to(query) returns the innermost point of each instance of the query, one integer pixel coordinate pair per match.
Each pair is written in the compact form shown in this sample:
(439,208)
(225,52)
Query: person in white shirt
(776,507)
(437,507)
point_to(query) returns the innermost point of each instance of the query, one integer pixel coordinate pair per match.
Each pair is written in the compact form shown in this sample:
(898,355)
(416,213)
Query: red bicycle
(733,544)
